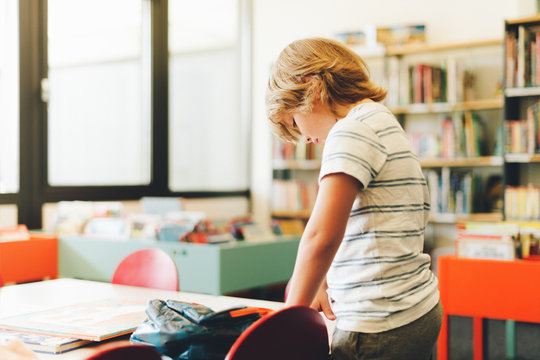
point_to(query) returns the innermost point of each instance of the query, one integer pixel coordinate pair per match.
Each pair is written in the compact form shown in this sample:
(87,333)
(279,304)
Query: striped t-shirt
(379,279)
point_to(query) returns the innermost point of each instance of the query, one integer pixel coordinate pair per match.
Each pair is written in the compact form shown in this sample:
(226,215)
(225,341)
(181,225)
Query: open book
(95,320)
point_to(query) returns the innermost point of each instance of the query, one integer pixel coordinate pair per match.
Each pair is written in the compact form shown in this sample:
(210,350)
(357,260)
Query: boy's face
(314,126)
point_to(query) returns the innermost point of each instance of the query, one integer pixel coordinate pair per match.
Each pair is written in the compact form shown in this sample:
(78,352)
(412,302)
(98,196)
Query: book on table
(44,343)
(96,320)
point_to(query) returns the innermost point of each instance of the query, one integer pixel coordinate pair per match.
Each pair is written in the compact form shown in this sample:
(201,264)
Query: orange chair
(292,333)
(122,350)
(152,268)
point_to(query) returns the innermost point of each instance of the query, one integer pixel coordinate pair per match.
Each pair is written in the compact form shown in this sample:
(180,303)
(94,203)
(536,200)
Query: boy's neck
(345,109)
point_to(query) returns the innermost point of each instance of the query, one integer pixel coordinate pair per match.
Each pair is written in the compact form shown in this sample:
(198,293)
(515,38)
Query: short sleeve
(353,148)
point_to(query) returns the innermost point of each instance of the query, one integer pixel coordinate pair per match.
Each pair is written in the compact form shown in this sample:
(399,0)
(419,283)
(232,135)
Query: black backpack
(184,330)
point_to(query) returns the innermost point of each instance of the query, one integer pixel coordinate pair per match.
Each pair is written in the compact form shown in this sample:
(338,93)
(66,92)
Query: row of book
(301,151)
(288,226)
(500,240)
(522,202)
(522,68)
(388,35)
(427,84)
(460,136)
(420,83)
(452,191)
(523,136)
(293,195)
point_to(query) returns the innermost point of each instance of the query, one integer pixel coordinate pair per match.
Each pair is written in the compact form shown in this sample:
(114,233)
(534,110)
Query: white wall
(278,22)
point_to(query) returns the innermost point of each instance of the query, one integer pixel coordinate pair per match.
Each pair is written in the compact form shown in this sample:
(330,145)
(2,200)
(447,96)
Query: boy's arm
(322,236)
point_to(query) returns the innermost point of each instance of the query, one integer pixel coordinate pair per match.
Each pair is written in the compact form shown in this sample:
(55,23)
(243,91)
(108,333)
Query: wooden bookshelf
(522,158)
(522,91)
(303,214)
(279,164)
(437,108)
(522,96)
(422,48)
(482,104)
(524,20)
(462,162)
(455,218)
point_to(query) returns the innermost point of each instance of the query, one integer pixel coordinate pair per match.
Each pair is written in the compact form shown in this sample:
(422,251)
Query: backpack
(182,330)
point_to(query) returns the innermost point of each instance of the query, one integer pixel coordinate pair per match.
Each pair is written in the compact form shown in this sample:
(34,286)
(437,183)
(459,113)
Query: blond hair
(314,69)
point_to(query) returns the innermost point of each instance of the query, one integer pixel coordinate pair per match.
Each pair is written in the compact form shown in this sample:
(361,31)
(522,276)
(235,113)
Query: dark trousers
(414,341)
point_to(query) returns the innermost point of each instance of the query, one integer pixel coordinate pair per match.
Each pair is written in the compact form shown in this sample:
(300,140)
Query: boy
(361,250)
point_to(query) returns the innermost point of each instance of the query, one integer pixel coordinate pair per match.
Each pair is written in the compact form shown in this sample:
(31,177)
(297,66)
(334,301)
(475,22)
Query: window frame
(34,191)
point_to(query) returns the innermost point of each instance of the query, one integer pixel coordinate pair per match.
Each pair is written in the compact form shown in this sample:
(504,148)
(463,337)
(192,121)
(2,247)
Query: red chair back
(292,333)
(151,268)
(124,350)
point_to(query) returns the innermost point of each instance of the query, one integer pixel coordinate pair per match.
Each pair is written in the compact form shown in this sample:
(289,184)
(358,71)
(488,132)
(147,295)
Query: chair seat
(123,350)
(151,268)
(292,333)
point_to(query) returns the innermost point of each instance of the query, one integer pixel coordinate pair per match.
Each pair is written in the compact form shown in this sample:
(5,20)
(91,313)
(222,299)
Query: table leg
(478,338)
(510,339)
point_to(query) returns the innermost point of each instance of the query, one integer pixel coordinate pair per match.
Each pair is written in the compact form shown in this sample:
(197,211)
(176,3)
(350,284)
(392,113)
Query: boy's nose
(307,139)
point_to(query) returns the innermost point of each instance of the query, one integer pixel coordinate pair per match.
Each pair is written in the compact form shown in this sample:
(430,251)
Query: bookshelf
(449,100)
(522,119)
(294,184)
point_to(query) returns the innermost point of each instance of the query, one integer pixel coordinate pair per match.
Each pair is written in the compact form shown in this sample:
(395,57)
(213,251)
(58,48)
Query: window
(206,148)
(138,98)
(9,97)
(98,90)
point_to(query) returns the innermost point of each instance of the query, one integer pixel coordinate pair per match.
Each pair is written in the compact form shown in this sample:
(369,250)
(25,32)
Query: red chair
(152,268)
(124,350)
(293,333)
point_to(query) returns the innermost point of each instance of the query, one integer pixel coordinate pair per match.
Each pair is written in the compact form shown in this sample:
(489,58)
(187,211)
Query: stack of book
(57,330)
(500,240)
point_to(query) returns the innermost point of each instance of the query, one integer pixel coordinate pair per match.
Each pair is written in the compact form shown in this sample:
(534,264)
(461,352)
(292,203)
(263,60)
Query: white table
(23,298)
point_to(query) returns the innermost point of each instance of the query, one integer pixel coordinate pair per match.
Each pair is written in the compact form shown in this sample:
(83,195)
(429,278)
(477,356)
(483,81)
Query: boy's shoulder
(372,115)
(369,110)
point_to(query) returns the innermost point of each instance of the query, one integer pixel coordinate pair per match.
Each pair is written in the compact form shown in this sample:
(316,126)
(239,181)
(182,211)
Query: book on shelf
(521,56)
(472,138)
(293,195)
(401,34)
(427,84)
(288,226)
(452,191)
(523,136)
(505,240)
(95,320)
(522,202)
(44,343)
(301,151)
(461,135)
(486,244)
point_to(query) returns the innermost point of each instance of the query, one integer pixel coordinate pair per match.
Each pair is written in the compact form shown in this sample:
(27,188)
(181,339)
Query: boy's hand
(322,303)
